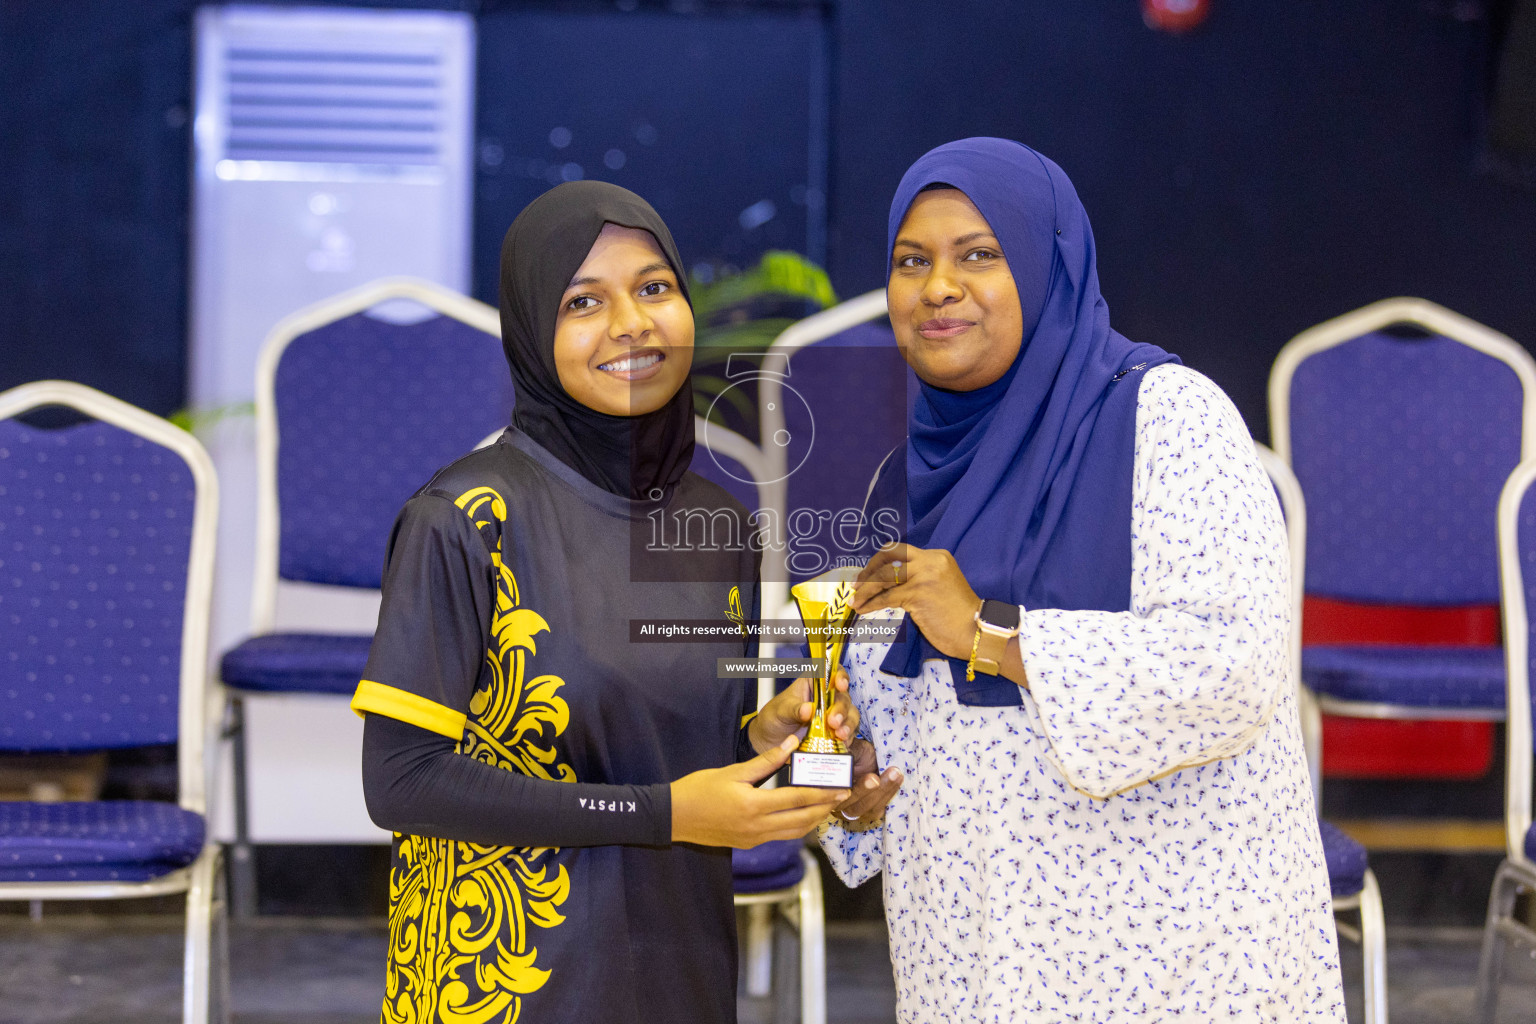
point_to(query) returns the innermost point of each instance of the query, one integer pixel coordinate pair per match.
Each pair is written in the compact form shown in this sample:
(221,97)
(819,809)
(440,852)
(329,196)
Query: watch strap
(997,622)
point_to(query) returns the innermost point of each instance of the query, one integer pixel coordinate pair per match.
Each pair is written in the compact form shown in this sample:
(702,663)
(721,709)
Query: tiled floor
(125,970)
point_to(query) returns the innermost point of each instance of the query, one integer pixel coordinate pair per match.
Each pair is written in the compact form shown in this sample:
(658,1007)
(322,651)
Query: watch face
(1000,614)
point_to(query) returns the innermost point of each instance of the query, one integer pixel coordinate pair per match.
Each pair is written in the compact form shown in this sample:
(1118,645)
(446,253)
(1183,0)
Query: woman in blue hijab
(1106,813)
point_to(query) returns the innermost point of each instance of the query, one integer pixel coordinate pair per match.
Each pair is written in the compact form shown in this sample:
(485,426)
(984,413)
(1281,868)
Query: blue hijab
(1026,481)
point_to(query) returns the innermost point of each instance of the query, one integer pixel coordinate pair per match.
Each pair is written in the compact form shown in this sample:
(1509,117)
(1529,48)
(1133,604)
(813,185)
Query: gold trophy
(826,608)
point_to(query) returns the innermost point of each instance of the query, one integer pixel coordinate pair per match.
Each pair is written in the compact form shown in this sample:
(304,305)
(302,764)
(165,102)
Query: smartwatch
(997,622)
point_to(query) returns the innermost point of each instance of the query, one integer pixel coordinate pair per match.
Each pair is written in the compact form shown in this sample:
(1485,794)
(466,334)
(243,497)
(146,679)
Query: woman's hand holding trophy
(818,710)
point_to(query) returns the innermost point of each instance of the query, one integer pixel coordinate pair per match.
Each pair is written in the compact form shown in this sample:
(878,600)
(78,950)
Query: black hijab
(634,456)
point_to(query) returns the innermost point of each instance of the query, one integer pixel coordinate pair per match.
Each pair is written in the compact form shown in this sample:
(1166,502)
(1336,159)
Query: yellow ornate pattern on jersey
(461,951)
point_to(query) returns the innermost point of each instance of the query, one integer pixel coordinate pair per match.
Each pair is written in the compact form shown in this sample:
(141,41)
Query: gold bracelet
(970,666)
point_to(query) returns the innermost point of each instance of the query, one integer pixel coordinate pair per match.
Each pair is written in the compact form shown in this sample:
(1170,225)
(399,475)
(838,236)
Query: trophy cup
(826,608)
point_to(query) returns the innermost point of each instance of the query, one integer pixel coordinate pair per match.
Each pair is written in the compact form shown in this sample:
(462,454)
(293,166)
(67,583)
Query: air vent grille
(334,106)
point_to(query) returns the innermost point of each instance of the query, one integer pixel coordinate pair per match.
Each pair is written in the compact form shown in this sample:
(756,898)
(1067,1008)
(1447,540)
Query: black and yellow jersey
(509,589)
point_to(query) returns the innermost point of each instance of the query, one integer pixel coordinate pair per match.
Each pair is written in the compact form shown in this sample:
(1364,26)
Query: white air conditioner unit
(333,147)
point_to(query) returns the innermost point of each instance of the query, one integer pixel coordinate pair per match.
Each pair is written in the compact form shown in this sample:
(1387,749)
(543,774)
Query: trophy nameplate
(826,608)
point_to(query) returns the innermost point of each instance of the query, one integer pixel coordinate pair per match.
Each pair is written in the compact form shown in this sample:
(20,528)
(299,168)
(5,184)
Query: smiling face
(624,336)
(953,302)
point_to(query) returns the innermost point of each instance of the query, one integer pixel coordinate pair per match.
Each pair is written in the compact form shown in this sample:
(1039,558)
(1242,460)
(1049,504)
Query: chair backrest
(1294,508)
(1401,445)
(354,413)
(106,568)
(833,403)
(730,460)
(724,457)
(1517,571)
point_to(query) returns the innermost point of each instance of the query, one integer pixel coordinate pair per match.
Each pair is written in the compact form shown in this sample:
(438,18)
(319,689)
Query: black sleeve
(434,622)
(415,782)
(435,617)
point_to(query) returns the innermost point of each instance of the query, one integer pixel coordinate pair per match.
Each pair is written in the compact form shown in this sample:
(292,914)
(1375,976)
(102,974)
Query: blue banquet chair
(355,410)
(1517,873)
(779,875)
(1401,442)
(832,403)
(107,532)
(724,457)
(782,874)
(1350,878)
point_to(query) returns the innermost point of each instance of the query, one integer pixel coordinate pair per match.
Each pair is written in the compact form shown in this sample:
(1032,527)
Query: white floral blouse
(1138,841)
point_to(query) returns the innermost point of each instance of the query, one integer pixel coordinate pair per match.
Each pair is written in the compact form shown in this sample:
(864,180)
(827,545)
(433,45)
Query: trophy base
(824,771)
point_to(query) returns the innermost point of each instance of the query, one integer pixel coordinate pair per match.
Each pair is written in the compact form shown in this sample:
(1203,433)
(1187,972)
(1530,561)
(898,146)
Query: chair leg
(242,861)
(219,1008)
(813,945)
(196,958)
(786,968)
(759,949)
(1501,907)
(1373,951)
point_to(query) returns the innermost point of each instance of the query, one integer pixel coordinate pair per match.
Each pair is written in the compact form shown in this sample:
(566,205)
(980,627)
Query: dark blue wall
(94,195)
(710,114)
(1286,163)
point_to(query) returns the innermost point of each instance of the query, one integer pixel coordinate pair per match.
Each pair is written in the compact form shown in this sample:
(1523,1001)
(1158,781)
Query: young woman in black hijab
(562,797)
